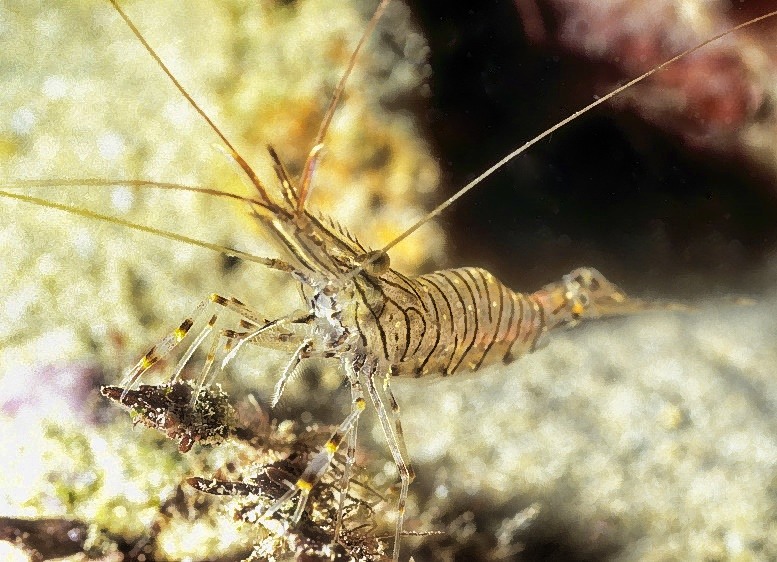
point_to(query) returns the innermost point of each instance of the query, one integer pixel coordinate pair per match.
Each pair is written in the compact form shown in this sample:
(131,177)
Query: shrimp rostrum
(377,322)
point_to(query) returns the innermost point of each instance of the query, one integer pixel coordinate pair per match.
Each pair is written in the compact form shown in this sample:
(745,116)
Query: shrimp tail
(585,293)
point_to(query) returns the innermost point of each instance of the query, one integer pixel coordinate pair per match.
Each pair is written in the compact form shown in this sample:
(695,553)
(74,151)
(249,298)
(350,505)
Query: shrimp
(358,310)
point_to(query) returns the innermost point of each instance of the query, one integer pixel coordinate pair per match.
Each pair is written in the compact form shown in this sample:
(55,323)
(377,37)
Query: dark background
(656,203)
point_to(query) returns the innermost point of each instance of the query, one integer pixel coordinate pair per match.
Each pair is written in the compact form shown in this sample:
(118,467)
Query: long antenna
(104,182)
(231,252)
(239,159)
(520,150)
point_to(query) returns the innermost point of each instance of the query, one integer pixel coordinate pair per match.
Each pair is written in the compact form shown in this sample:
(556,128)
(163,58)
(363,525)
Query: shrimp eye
(375,263)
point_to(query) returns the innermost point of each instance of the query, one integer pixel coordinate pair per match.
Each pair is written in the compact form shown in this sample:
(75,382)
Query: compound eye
(375,263)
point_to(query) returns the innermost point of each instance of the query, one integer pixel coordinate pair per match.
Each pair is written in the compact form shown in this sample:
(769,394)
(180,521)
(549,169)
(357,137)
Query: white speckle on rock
(55,87)
(22,121)
(122,199)
(110,145)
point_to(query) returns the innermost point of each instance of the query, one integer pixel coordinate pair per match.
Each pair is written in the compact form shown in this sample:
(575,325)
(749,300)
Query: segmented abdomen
(451,321)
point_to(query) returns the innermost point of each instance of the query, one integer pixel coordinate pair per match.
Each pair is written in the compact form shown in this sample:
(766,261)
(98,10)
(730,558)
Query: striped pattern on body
(446,322)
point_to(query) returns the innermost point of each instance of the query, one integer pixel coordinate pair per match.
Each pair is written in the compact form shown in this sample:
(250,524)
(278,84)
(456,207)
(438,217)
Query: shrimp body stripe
(472,319)
(377,325)
(435,322)
(496,326)
(406,312)
(463,334)
(442,322)
(449,319)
